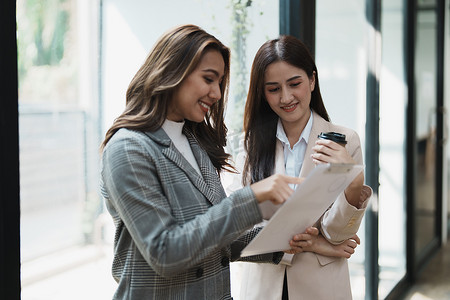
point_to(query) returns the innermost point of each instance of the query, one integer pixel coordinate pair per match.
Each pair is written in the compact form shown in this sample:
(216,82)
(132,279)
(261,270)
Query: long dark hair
(173,58)
(260,121)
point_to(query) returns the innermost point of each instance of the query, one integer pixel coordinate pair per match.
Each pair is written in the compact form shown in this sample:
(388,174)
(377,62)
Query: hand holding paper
(303,241)
(302,210)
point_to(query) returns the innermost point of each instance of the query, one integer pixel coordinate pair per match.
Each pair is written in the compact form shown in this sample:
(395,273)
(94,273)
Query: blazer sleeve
(342,220)
(132,184)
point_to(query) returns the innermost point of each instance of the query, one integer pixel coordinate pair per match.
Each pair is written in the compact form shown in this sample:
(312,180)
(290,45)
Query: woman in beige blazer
(284,115)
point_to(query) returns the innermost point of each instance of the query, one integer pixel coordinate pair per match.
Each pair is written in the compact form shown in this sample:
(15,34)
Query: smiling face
(288,91)
(199,90)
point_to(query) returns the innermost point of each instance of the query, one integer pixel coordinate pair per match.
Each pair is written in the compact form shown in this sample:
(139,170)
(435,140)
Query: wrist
(353,195)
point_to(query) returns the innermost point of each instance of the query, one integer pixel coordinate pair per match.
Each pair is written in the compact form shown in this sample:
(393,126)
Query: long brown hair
(260,121)
(174,56)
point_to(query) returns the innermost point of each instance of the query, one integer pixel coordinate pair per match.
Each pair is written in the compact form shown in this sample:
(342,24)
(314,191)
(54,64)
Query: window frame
(9,153)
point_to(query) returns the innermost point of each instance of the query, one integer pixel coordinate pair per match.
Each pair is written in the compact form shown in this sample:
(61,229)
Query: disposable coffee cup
(333,136)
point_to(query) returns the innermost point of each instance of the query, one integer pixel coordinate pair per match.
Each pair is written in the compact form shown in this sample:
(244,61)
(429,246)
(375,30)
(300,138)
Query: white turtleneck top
(175,132)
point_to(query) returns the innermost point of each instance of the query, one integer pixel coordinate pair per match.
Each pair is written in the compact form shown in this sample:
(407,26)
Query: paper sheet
(309,201)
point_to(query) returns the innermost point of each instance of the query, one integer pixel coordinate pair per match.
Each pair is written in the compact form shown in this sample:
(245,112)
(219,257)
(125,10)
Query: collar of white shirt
(293,157)
(281,135)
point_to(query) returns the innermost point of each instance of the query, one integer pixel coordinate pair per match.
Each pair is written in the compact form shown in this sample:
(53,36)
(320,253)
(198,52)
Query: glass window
(61,213)
(446,170)
(76,59)
(341,58)
(393,94)
(425,131)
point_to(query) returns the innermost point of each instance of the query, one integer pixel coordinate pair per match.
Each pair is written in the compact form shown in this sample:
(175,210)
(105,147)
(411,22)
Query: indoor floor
(434,282)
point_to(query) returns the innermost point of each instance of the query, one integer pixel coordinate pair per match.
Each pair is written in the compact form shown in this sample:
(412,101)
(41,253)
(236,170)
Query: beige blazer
(310,275)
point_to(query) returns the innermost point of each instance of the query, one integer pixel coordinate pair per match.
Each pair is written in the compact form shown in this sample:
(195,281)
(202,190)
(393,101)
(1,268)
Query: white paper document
(309,201)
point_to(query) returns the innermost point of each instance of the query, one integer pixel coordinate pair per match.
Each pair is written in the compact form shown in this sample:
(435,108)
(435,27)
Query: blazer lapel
(279,159)
(319,125)
(178,159)
(267,208)
(210,184)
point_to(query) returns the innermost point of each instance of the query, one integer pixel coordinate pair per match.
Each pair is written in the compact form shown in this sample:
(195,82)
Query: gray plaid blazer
(176,230)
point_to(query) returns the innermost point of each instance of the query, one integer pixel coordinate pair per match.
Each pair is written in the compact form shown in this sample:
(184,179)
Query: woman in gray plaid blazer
(176,230)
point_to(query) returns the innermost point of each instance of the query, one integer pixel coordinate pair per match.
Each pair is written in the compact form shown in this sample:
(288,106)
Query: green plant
(42,28)
(241,28)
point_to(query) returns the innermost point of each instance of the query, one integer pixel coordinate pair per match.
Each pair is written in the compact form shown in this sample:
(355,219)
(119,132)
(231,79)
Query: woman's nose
(215,93)
(286,96)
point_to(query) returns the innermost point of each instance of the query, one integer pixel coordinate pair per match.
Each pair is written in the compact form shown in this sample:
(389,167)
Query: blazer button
(225,261)
(199,272)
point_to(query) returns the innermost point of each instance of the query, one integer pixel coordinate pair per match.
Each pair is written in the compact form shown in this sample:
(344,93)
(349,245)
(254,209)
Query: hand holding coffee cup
(330,148)
(333,136)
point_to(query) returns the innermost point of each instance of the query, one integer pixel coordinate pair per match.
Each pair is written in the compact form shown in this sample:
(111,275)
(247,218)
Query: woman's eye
(295,83)
(272,90)
(209,79)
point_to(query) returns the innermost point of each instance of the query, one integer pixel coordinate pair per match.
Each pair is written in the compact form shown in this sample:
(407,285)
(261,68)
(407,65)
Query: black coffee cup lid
(333,136)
